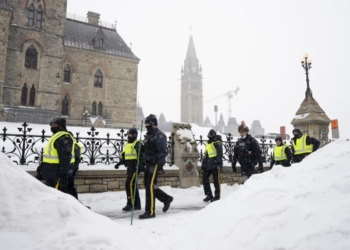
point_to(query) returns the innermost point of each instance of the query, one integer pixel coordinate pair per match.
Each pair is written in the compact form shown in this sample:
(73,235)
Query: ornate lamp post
(306,64)
(85,117)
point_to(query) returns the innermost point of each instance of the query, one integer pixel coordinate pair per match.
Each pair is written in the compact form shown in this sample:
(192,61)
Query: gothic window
(39,17)
(24,95)
(93,109)
(31,58)
(65,106)
(99,42)
(100,108)
(66,77)
(32,96)
(31,16)
(98,79)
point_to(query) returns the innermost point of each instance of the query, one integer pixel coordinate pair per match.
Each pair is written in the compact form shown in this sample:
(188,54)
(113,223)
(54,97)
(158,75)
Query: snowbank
(34,216)
(306,206)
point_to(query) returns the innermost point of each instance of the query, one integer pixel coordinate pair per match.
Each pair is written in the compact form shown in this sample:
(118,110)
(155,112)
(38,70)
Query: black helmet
(297,131)
(151,119)
(243,127)
(59,121)
(212,133)
(278,138)
(133,131)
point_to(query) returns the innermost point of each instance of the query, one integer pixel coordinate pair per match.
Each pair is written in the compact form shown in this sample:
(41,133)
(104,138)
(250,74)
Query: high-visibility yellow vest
(279,153)
(300,147)
(129,151)
(50,152)
(211,150)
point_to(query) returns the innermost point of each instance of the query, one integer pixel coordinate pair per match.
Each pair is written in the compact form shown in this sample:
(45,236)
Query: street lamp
(85,117)
(306,64)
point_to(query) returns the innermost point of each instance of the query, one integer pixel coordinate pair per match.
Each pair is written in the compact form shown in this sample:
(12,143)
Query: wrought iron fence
(24,148)
(229,145)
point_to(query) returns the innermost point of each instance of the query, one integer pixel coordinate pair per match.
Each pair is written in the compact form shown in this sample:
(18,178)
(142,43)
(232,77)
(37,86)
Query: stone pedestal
(186,155)
(311,119)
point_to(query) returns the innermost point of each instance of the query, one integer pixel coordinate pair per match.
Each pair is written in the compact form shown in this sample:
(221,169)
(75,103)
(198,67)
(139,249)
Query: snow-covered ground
(306,206)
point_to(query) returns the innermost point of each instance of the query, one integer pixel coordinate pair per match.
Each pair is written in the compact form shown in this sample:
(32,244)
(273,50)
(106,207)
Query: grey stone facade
(84,48)
(191,88)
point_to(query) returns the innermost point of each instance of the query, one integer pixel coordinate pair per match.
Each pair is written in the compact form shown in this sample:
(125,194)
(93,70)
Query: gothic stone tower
(5,17)
(60,67)
(191,88)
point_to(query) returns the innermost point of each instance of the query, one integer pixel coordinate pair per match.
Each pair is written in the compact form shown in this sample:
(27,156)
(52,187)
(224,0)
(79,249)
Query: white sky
(306,206)
(256,45)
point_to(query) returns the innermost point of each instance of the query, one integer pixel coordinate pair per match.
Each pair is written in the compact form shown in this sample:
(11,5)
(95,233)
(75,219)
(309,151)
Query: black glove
(234,168)
(261,168)
(160,170)
(117,165)
(39,172)
(219,165)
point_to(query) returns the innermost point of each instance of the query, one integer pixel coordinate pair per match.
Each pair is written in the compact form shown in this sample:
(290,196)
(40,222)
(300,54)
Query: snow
(301,116)
(306,206)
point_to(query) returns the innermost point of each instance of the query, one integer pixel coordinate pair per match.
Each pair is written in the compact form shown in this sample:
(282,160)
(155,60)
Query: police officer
(303,145)
(59,157)
(247,152)
(212,164)
(281,154)
(129,158)
(153,156)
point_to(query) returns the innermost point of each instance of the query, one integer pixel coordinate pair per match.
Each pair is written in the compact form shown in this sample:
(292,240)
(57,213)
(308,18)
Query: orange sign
(334,124)
(283,132)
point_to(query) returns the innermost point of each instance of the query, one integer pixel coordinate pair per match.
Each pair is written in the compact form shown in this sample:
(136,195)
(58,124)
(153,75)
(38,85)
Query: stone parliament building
(55,66)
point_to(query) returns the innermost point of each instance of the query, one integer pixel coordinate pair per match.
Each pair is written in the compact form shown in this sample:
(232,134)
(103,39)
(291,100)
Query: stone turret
(311,119)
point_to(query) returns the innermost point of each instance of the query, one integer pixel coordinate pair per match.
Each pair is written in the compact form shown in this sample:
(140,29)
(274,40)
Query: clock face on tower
(193,69)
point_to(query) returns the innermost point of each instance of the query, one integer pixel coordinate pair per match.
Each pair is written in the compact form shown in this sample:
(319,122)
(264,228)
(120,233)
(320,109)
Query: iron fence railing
(24,148)
(229,145)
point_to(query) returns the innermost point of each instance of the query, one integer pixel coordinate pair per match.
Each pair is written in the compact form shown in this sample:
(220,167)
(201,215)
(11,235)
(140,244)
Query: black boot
(167,204)
(216,198)
(128,208)
(208,198)
(146,216)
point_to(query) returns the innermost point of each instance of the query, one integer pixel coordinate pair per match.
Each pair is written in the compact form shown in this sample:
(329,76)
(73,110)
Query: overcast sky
(254,44)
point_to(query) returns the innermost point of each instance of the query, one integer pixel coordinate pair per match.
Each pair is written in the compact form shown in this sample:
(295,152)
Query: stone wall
(118,92)
(96,181)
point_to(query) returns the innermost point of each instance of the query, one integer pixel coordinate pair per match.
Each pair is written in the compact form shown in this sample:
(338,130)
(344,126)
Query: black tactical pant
(51,175)
(247,169)
(129,187)
(152,190)
(206,184)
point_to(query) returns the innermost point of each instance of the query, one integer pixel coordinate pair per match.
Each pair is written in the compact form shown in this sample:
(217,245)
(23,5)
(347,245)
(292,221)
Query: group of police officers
(62,155)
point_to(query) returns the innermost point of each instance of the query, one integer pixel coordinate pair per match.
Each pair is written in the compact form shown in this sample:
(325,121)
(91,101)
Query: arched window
(39,17)
(65,106)
(93,109)
(24,95)
(66,77)
(98,79)
(31,58)
(32,96)
(31,16)
(100,108)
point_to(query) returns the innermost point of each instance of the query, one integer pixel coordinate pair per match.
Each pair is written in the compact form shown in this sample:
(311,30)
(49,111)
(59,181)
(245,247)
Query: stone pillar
(186,155)
(311,119)
(93,18)
(5,17)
